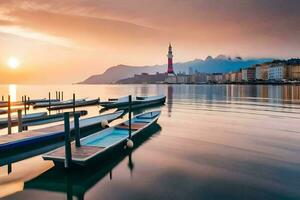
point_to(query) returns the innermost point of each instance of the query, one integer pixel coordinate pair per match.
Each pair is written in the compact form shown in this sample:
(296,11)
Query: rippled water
(211,142)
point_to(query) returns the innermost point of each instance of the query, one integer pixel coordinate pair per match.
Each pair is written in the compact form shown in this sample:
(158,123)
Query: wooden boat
(123,101)
(51,118)
(25,118)
(98,145)
(58,103)
(76,183)
(44,100)
(12,110)
(50,134)
(29,102)
(77,104)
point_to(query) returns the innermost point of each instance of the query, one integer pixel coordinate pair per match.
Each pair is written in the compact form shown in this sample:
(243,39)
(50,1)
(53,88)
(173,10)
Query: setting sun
(13,62)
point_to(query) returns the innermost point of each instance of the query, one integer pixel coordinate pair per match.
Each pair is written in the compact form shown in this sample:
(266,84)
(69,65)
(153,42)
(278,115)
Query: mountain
(221,64)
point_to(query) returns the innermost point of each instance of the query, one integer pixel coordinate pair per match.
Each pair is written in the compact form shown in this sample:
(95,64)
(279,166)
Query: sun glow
(13,62)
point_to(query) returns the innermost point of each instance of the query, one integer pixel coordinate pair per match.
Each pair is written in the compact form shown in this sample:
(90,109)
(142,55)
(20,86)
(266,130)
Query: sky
(65,41)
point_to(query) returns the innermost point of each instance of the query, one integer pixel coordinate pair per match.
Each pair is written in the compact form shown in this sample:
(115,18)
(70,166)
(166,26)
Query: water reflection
(75,183)
(13,92)
(170,99)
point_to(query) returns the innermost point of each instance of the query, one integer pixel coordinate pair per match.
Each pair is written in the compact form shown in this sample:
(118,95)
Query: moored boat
(13,142)
(77,104)
(100,144)
(123,102)
(25,118)
(57,103)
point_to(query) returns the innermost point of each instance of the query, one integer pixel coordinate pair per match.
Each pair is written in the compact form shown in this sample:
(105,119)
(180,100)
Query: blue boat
(30,139)
(100,144)
(137,102)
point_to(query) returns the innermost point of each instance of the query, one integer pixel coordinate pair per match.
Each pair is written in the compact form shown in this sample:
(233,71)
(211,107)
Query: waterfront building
(293,68)
(239,77)
(248,74)
(182,78)
(198,78)
(233,77)
(227,78)
(261,72)
(277,72)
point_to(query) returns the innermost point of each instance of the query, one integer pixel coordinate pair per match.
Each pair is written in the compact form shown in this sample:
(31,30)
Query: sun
(13,62)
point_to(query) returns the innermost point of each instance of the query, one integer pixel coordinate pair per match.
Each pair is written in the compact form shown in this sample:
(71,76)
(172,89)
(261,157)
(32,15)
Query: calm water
(212,142)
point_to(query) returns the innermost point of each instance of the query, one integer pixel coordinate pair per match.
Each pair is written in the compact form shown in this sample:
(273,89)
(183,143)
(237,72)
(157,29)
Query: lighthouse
(170,61)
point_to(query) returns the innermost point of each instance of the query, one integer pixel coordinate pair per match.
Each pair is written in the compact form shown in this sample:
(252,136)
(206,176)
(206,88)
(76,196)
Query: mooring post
(25,108)
(22,98)
(49,108)
(68,153)
(20,123)
(59,95)
(8,116)
(77,129)
(62,95)
(2,98)
(56,96)
(73,103)
(129,113)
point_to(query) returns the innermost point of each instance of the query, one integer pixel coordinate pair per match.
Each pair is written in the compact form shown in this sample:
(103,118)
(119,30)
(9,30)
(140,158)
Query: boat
(12,110)
(77,104)
(44,100)
(100,144)
(50,118)
(28,102)
(57,103)
(122,102)
(30,139)
(25,118)
(76,183)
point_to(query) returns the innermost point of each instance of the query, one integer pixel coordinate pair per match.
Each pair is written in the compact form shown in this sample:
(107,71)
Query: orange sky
(64,41)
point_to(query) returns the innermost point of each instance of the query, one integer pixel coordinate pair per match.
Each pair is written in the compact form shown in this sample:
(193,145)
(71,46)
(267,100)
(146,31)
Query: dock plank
(77,152)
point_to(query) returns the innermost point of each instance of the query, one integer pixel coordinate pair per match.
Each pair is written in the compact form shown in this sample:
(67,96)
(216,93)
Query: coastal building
(171,77)
(248,74)
(198,78)
(239,77)
(277,72)
(293,68)
(233,77)
(261,72)
(182,78)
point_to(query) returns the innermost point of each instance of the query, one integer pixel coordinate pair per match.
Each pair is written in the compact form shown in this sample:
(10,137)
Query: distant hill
(221,64)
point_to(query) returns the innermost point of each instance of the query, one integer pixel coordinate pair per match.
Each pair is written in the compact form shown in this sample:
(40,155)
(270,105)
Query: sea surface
(211,142)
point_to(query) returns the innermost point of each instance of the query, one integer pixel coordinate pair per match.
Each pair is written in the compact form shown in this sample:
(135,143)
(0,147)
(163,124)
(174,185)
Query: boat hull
(15,147)
(135,104)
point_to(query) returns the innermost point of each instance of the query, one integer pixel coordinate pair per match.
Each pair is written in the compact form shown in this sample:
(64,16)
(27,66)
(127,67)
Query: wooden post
(2,98)
(68,152)
(49,96)
(20,123)
(22,98)
(25,108)
(129,113)
(58,95)
(77,129)
(8,116)
(73,103)
(62,95)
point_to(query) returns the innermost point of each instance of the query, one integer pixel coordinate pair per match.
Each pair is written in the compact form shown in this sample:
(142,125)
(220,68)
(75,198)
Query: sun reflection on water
(13,92)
